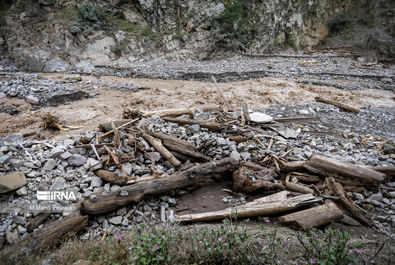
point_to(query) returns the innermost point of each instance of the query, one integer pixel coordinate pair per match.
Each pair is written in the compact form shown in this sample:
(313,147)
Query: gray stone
(259,117)
(56,65)
(171,216)
(123,193)
(11,236)
(117,220)
(49,165)
(58,150)
(235,155)
(163,214)
(93,198)
(221,141)
(357,196)
(245,155)
(304,112)
(195,128)
(93,164)
(125,222)
(22,191)
(68,142)
(392,194)
(77,160)
(127,168)
(58,184)
(96,182)
(65,155)
(115,188)
(21,229)
(376,197)
(33,100)
(12,182)
(172,201)
(4,159)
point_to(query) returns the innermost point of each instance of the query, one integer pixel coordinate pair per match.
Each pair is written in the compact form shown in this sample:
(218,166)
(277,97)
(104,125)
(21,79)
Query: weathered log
(314,217)
(180,146)
(272,204)
(238,138)
(106,127)
(245,112)
(211,125)
(111,132)
(388,170)
(327,166)
(337,104)
(306,178)
(177,112)
(36,221)
(112,177)
(133,193)
(249,179)
(298,188)
(337,190)
(43,238)
(157,144)
(292,165)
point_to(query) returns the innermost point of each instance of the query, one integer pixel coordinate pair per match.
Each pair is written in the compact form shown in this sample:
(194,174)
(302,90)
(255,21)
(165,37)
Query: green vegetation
(88,17)
(339,23)
(226,243)
(231,29)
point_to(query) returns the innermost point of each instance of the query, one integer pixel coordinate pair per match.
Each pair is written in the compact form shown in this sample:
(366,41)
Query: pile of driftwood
(317,185)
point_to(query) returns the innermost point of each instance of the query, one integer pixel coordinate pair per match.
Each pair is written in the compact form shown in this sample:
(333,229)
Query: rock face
(55,42)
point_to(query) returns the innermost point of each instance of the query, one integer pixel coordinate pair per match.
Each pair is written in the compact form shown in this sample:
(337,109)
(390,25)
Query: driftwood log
(314,217)
(133,193)
(211,125)
(112,177)
(343,171)
(388,170)
(178,112)
(45,237)
(272,204)
(249,179)
(292,165)
(180,146)
(338,191)
(157,144)
(298,188)
(36,221)
(337,104)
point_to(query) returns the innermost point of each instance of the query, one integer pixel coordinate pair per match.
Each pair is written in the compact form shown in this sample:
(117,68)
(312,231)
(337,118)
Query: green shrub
(339,23)
(231,29)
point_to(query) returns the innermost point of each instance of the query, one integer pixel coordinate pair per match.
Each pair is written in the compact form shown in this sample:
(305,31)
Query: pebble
(33,100)
(65,155)
(49,165)
(22,191)
(93,197)
(123,193)
(235,155)
(117,220)
(77,160)
(58,184)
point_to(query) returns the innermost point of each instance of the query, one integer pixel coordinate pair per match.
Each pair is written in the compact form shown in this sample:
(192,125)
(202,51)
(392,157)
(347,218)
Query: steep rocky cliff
(60,35)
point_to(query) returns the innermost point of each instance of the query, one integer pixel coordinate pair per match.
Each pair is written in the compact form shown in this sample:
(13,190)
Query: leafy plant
(329,247)
(231,28)
(339,23)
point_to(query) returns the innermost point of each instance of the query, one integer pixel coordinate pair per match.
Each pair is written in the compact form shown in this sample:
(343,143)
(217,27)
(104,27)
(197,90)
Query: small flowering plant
(329,247)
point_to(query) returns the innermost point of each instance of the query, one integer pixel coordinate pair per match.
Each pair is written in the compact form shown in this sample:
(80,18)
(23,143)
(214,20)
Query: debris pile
(137,167)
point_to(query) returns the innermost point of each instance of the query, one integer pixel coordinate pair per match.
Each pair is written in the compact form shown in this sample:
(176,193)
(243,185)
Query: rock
(123,193)
(65,156)
(49,165)
(93,198)
(56,65)
(116,220)
(125,222)
(289,133)
(4,159)
(245,155)
(22,191)
(376,197)
(163,214)
(127,168)
(58,184)
(392,194)
(58,150)
(21,229)
(171,216)
(357,196)
(68,142)
(82,262)
(221,141)
(115,188)
(93,164)
(172,201)
(33,100)
(12,181)
(195,128)
(77,160)
(96,182)
(235,155)
(389,149)
(259,117)
(11,236)
(304,112)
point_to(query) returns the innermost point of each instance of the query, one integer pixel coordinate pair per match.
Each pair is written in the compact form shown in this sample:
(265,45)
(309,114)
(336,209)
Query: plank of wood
(133,193)
(257,207)
(327,166)
(157,144)
(45,237)
(337,190)
(314,217)
(340,105)
(211,125)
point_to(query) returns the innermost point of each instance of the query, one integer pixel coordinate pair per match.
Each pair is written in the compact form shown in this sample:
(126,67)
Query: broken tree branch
(157,144)
(337,104)
(211,125)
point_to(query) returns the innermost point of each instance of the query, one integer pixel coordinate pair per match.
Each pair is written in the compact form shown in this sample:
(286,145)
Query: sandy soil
(106,105)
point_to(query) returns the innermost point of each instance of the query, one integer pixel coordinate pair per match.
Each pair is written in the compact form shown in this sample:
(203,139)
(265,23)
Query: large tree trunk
(272,204)
(343,171)
(136,192)
(314,217)
(44,237)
